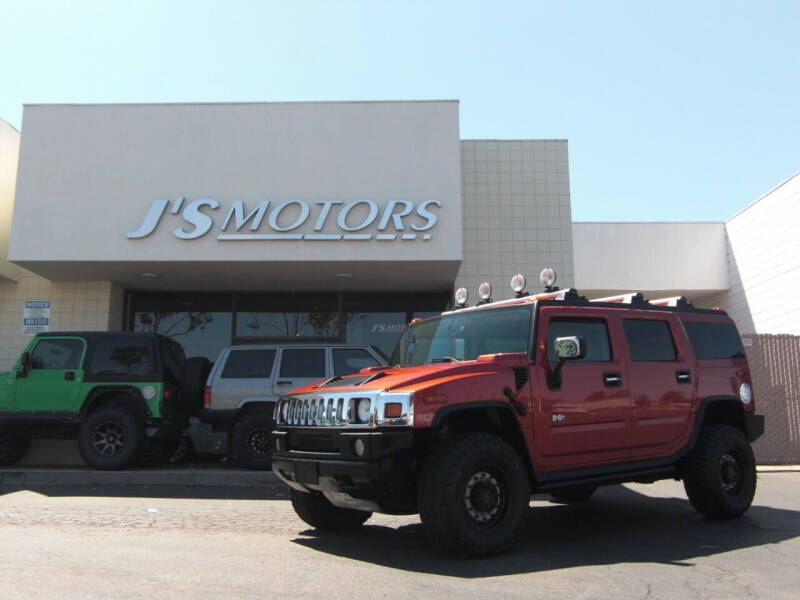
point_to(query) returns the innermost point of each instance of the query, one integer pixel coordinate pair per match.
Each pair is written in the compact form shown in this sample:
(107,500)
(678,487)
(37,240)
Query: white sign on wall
(35,317)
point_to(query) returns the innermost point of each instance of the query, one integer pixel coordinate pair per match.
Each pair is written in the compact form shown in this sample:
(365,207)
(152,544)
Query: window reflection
(200,333)
(287,324)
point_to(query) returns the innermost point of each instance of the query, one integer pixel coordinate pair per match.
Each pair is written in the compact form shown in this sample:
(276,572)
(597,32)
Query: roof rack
(629,298)
(674,301)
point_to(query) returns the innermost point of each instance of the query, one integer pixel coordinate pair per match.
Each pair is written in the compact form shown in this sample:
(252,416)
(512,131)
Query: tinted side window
(249,364)
(594,333)
(129,355)
(649,340)
(351,360)
(57,354)
(714,340)
(303,362)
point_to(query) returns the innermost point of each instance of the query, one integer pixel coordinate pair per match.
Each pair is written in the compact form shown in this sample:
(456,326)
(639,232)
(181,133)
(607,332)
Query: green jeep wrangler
(127,396)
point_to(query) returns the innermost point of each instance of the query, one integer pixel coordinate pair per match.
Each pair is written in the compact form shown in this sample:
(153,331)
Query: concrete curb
(180,477)
(171,477)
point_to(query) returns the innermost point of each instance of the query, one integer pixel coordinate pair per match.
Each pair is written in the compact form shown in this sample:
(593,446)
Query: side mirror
(569,348)
(565,348)
(24,363)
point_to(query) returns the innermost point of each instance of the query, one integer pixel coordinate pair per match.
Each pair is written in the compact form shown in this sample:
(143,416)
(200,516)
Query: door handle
(683,376)
(69,376)
(612,379)
(283,383)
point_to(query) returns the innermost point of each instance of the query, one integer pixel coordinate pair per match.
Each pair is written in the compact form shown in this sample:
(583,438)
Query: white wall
(88,175)
(9,155)
(763,253)
(516,213)
(653,258)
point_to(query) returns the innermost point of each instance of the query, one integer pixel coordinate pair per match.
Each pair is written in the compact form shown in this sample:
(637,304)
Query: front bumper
(380,480)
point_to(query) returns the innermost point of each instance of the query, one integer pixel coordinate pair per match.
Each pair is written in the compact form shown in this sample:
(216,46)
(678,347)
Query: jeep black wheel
(472,496)
(719,475)
(12,448)
(252,440)
(157,451)
(577,493)
(316,510)
(111,438)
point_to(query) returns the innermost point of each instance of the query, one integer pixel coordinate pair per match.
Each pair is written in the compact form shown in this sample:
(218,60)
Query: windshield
(465,336)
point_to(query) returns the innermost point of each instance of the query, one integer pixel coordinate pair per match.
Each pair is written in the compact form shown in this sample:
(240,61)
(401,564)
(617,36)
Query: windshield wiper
(448,359)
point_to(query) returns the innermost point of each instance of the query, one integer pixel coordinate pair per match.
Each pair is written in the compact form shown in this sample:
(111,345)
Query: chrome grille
(321,411)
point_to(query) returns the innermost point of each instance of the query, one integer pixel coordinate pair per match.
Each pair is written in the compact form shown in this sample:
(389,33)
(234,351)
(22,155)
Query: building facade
(341,221)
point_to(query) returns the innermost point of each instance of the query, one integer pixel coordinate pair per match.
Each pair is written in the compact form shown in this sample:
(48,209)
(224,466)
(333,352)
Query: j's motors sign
(331,220)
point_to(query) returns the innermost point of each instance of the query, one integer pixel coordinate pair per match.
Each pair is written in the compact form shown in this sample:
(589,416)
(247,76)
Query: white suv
(246,381)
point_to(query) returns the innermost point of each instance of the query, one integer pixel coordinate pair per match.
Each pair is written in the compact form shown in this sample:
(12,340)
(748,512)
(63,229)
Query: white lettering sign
(293,219)
(35,317)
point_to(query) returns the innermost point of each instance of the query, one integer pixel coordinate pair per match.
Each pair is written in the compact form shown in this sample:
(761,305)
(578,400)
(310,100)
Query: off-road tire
(316,510)
(115,429)
(252,440)
(12,448)
(193,385)
(574,494)
(719,475)
(473,494)
(157,451)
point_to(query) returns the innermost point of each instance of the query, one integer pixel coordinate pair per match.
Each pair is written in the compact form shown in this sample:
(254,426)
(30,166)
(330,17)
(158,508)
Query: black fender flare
(99,393)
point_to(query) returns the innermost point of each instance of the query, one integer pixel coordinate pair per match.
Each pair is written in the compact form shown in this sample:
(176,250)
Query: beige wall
(76,306)
(516,213)
(764,263)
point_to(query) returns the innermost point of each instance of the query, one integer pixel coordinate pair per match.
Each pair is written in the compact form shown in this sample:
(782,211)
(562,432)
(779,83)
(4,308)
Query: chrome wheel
(485,498)
(108,438)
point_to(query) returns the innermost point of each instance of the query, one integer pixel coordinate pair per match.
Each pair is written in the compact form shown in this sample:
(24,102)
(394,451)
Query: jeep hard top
(126,396)
(540,393)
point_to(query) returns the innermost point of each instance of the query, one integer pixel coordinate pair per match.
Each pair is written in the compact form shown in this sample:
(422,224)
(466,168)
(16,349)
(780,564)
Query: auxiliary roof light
(485,291)
(461,296)
(547,278)
(518,284)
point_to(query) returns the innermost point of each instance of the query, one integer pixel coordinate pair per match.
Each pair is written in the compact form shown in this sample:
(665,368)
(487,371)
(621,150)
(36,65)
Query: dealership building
(335,221)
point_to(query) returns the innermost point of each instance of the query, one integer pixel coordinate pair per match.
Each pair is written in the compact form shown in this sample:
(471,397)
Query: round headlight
(518,283)
(359,447)
(485,291)
(362,410)
(285,411)
(547,277)
(461,296)
(745,393)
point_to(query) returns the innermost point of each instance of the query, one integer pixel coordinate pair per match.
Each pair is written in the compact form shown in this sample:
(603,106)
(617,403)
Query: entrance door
(298,367)
(54,375)
(586,420)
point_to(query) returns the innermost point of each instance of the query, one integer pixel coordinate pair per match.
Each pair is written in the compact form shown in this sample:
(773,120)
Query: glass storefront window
(287,324)
(379,329)
(200,333)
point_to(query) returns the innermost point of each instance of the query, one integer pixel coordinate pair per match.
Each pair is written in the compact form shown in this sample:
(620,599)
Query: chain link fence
(775,368)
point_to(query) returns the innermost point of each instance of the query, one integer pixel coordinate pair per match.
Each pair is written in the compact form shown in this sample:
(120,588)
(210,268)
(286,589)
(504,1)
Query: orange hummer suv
(488,404)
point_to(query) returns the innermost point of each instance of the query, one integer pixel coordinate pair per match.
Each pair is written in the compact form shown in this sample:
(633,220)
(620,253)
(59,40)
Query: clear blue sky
(673,111)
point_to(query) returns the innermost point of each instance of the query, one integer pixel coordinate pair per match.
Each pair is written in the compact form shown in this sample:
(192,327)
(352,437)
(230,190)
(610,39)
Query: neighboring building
(340,221)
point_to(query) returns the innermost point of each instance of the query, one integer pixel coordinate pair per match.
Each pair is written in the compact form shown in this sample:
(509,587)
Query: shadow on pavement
(617,525)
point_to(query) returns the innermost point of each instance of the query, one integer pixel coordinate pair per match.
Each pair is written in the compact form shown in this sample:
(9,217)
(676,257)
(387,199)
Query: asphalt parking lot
(195,541)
